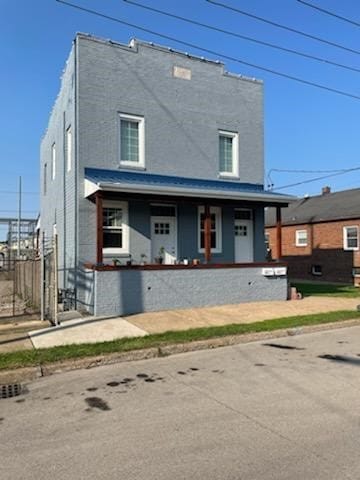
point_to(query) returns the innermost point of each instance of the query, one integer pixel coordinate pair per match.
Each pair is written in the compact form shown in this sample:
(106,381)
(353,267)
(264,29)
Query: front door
(163,239)
(244,242)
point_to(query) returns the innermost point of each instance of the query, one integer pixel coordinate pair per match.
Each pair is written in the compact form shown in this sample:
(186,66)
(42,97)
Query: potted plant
(116,262)
(143,257)
(129,262)
(160,258)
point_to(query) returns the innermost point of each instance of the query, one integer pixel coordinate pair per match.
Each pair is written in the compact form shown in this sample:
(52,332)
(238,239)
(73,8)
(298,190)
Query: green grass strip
(27,358)
(325,290)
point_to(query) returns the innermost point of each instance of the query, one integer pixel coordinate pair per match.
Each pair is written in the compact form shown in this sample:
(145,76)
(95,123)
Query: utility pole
(19,223)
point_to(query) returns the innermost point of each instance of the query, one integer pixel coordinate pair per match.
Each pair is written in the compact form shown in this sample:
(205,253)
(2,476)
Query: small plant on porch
(143,257)
(116,262)
(161,254)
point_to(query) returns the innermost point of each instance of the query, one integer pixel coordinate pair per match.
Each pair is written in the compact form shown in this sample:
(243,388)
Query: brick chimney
(325,190)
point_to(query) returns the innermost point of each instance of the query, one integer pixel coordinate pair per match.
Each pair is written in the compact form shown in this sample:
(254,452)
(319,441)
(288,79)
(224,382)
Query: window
(228,154)
(53,161)
(132,141)
(301,238)
(115,228)
(215,213)
(316,269)
(68,148)
(242,214)
(351,238)
(241,231)
(45,178)
(161,228)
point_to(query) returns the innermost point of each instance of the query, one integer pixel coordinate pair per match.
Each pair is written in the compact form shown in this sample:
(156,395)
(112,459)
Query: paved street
(246,412)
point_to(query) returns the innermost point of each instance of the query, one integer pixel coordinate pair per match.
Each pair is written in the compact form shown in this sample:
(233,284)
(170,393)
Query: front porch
(125,290)
(185,243)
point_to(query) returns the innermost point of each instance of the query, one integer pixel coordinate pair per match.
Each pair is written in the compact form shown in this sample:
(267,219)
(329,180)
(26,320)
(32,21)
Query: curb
(28,374)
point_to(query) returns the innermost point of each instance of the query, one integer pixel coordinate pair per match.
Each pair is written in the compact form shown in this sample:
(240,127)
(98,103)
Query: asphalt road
(246,412)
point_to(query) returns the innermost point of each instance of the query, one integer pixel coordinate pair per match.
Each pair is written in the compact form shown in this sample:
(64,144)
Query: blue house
(152,171)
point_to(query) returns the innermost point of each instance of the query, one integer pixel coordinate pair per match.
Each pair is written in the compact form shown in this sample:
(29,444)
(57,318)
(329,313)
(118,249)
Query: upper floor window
(132,141)
(215,229)
(53,161)
(351,238)
(115,228)
(301,238)
(228,154)
(68,148)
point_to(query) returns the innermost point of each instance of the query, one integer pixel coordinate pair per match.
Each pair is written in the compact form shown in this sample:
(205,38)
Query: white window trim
(68,148)
(345,239)
(218,225)
(141,122)
(297,238)
(235,154)
(53,161)
(124,250)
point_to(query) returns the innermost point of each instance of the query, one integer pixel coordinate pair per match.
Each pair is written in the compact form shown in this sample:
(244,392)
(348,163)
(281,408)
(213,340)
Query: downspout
(64,191)
(76,163)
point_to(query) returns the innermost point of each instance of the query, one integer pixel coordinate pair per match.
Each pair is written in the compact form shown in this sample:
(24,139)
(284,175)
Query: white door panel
(163,237)
(244,249)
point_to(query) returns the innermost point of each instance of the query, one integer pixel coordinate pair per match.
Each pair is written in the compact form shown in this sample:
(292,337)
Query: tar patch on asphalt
(281,346)
(341,358)
(99,403)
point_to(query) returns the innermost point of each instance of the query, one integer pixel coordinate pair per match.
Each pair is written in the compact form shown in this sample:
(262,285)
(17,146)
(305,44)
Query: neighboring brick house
(151,156)
(319,236)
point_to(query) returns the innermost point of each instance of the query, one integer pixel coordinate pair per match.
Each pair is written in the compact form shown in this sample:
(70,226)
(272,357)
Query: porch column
(278,234)
(207,233)
(99,227)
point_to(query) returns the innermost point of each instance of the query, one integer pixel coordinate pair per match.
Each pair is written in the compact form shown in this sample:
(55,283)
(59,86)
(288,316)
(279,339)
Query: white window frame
(235,153)
(68,148)
(124,250)
(345,238)
(53,161)
(218,227)
(141,123)
(297,238)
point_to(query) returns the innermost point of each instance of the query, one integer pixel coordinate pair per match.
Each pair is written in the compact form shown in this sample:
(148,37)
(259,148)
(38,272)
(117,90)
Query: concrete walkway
(157,322)
(85,330)
(92,329)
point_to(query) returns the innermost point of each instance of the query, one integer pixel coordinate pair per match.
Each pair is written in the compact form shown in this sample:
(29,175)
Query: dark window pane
(112,239)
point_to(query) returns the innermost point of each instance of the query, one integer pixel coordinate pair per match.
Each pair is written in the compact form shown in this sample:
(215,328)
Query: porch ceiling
(145,183)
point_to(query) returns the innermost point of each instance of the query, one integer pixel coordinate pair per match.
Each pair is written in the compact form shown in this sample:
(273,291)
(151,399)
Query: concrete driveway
(258,411)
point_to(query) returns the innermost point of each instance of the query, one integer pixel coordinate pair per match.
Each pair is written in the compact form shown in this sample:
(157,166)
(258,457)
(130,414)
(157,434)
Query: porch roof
(97,179)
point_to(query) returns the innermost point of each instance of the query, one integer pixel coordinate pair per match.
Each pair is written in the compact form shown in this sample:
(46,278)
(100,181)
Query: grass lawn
(309,289)
(26,358)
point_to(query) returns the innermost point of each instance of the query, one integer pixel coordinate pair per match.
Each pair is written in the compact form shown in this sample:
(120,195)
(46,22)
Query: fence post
(56,279)
(42,274)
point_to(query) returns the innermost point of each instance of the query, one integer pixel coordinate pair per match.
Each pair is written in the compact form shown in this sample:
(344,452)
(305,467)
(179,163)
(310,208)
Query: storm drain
(11,390)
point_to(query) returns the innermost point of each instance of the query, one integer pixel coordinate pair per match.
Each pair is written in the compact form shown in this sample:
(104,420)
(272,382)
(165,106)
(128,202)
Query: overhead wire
(284,27)
(243,37)
(213,52)
(328,12)
(316,179)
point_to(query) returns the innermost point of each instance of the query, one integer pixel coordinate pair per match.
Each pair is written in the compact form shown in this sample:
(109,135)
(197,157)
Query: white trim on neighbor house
(301,238)
(218,229)
(124,250)
(235,154)
(346,238)
(140,163)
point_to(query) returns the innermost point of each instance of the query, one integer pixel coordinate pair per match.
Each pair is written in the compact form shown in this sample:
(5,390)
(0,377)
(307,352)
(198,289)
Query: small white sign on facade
(181,72)
(268,272)
(280,271)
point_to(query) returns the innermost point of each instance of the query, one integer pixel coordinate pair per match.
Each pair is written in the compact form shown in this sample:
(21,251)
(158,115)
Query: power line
(244,37)
(10,192)
(284,27)
(212,52)
(328,12)
(317,178)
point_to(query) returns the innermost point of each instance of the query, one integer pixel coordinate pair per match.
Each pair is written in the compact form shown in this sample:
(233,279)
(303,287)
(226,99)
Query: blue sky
(305,128)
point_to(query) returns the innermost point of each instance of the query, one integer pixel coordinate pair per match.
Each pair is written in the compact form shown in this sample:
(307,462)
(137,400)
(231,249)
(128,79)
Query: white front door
(244,249)
(163,239)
